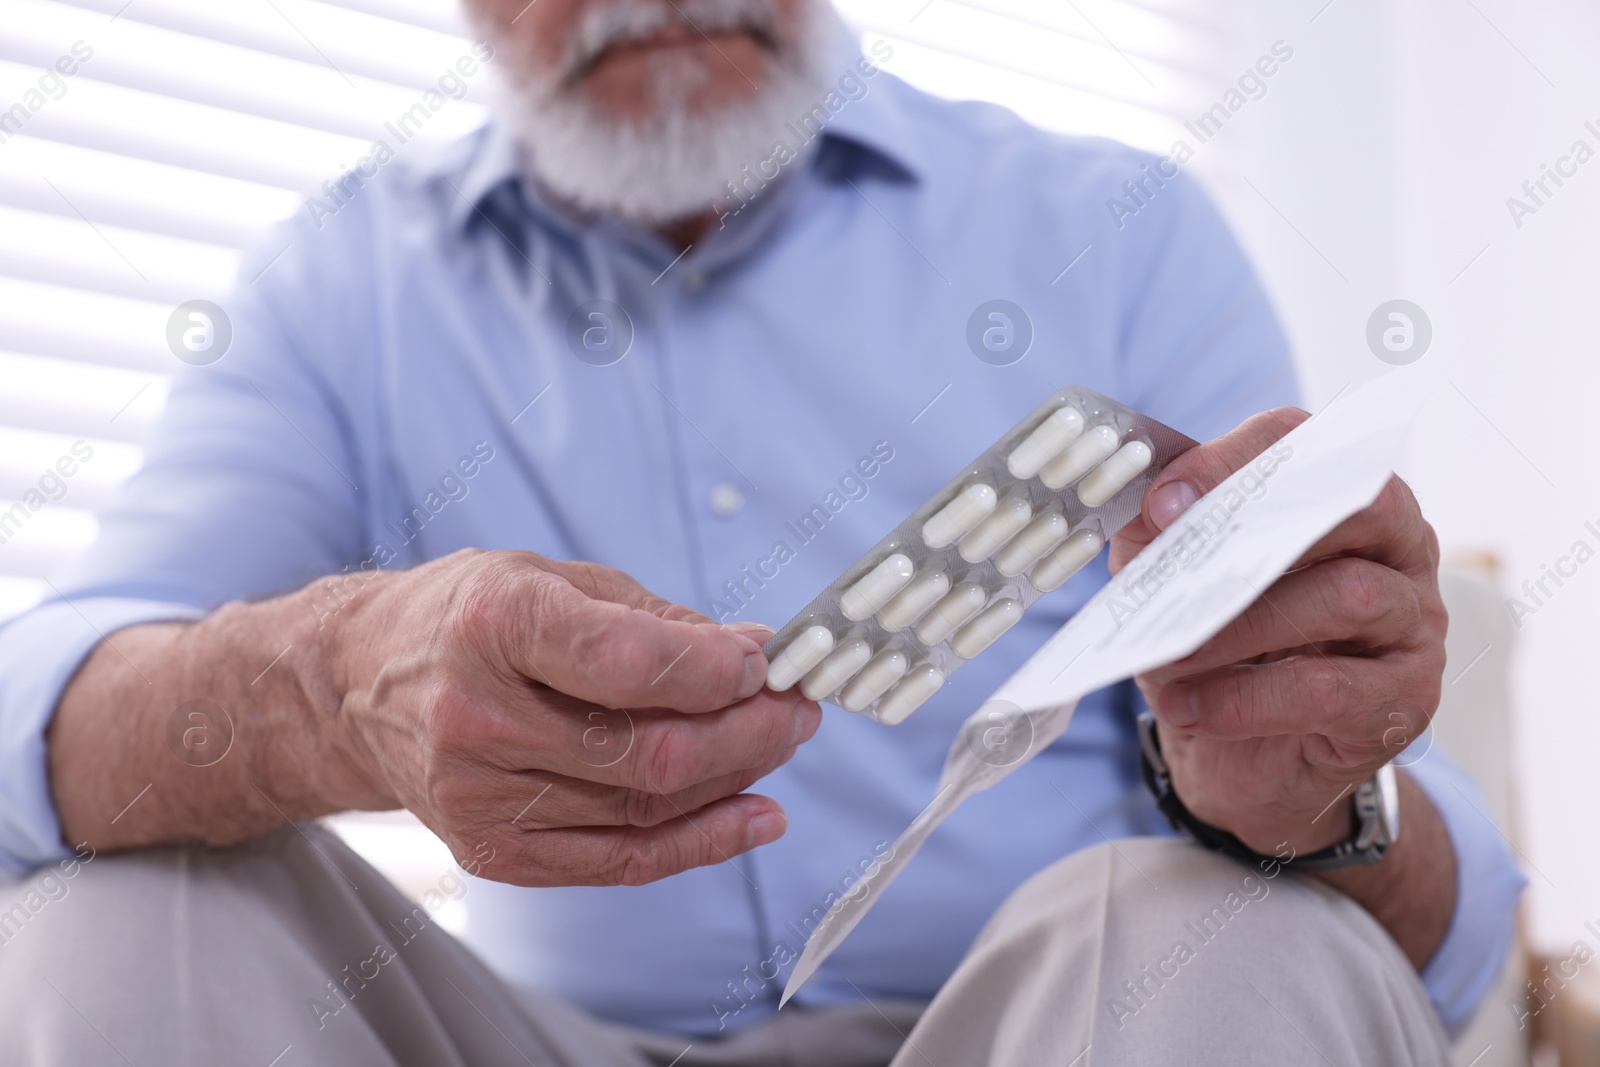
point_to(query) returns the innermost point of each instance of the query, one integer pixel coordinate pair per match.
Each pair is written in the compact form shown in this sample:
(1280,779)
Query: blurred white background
(1377,165)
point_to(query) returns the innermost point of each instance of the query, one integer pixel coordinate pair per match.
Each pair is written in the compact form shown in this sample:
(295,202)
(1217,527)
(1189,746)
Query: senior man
(693,311)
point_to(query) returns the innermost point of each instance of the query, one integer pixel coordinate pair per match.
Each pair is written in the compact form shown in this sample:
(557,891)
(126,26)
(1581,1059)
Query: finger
(631,855)
(1352,604)
(548,630)
(672,752)
(647,749)
(1342,698)
(1198,471)
(1390,530)
(558,802)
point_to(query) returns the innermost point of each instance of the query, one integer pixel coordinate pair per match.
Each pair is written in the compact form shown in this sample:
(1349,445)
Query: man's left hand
(1330,673)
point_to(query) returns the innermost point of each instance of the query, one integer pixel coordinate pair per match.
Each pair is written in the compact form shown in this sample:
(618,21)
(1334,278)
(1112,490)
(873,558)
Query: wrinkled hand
(1326,677)
(555,723)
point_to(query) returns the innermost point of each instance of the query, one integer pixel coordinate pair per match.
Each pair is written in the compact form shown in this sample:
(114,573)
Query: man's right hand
(560,720)
(554,723)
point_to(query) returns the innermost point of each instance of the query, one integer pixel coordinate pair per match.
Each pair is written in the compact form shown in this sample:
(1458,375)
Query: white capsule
(986,629)
(1086,453)
(970,507)
(1045,442)
(1073,555)
(1108,479)
(798,657)
(1037,538)
(909,695)
(840,666)
(926,590)
(964,601)
(1012,515)
(884,670)
(876,587)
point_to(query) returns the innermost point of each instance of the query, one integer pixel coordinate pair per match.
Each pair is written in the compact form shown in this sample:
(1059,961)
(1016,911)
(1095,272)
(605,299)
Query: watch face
(1388,804)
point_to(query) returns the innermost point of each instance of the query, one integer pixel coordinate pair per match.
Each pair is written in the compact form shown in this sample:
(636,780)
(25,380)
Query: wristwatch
(1377,812)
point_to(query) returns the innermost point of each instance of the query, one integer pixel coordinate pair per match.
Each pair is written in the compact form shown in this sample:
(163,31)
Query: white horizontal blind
(129,187)
(187,126)
(1132,71)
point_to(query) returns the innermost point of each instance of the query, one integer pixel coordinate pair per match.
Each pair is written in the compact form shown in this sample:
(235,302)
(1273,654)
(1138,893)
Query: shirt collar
(876,123)
(872,132)
(492,159)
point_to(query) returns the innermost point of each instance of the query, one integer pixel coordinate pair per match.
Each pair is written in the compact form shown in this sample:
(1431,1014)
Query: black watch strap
(1158,780)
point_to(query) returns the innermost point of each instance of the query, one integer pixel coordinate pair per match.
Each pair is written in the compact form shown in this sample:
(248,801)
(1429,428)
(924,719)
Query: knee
(123,906)
(25,905)
(60,910)
(201,947)
(1136,878)
(1173,937)
(1157,897)
(124,914)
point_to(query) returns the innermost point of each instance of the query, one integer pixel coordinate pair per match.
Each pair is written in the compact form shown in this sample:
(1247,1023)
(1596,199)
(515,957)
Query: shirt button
(726,500)
(694,281)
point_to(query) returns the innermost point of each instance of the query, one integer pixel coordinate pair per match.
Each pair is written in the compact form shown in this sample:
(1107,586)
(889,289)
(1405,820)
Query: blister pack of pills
(1037,507)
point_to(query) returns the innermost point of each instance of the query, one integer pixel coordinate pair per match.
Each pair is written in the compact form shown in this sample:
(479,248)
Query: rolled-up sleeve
(1488,884)
(39,653)
(249,489)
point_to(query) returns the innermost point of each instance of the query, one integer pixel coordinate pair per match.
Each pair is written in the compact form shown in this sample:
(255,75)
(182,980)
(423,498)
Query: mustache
(603,27)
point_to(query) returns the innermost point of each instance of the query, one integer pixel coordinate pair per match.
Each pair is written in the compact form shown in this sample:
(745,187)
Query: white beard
(677,162)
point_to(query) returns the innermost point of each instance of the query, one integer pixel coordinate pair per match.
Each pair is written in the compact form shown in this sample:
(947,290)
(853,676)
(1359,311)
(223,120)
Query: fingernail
(755,674)
(742,642)
(806,720)
(1180,705)
(1170,501)
(755,631)
(765,829)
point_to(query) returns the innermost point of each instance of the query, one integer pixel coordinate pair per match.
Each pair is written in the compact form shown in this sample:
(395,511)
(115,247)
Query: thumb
(1195,473)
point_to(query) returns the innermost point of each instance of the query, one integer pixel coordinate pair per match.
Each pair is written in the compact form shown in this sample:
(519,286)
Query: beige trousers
(1146,952)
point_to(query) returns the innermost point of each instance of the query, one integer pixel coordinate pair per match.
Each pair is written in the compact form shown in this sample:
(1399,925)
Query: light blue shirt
(423,331)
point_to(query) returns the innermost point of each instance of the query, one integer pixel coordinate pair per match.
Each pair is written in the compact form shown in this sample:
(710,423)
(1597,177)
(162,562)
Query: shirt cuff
(1473,952)
(40,651)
